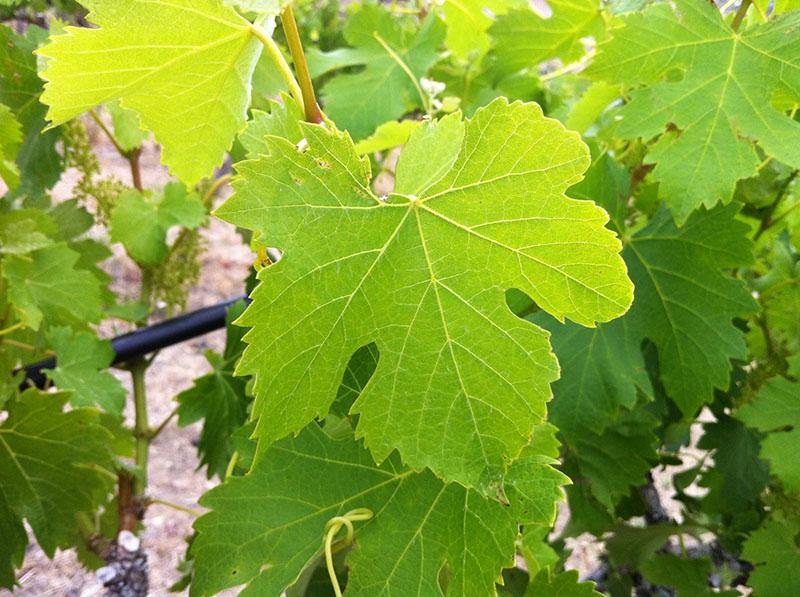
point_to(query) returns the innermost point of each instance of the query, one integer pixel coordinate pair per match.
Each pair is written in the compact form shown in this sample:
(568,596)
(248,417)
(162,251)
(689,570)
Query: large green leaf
(267,526)
(686,303)
(384,89)
(721,103)
(523,38)
(183,65)
(776,411)
(53,465)
(461,381)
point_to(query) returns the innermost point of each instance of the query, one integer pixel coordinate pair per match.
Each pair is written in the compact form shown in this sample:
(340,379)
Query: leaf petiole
(279,61)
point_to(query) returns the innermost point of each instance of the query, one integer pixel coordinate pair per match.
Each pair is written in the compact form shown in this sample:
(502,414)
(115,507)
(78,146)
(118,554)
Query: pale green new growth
(45,284)
(523,38)
(716,86)
(81,358)
(183,65)
(480,208)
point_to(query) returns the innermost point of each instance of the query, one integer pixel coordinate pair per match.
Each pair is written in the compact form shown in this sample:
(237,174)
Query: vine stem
(279,61)
(141,426)
(174,506)
(17,326)
(310,106)
(740,14)
(99,122)
(136,171)
(154,433)
(396,57)
(218,184)
(769,220)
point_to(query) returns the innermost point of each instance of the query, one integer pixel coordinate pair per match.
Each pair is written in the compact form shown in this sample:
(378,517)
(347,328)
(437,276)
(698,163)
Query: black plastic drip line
(150,339)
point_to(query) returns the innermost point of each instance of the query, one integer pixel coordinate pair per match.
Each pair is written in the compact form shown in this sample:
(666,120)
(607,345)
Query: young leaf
(53,465)
(45,284)
(81,360)
(127,130)
(467,22)
(461,381)
(184,66)
(359,102)
(721,104)
(388,135)
(523,38)
(565,584)
(776,411)
(141,224)
(267,526)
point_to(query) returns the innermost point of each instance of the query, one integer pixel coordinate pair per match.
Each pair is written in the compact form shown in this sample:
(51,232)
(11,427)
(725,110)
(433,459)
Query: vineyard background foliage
(523,273)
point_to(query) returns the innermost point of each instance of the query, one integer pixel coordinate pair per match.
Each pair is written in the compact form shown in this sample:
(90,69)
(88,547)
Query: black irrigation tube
(150,339)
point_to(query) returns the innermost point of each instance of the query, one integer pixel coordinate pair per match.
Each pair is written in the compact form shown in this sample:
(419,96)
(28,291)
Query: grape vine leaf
(82,358)
(262,7)
(38,161)
(266,527)
(283,120)
(141,223)
(776,411)
(774,552)
(190,84)
(387,136)
(686,576)
(564,584)
(722,104)
(25,230)
(523,38)
(220,399)
(467,24)
(127,128)
(461,381)
(686,303)
(738,476)
(15,540)
(617,459)
(383,90)
(53,465)
(602,369)
(10,139)
(45,283)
